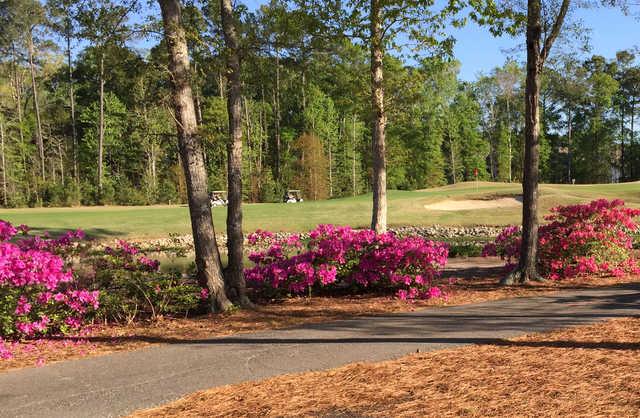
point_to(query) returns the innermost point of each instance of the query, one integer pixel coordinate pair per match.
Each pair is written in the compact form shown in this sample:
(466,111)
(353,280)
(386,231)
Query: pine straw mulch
(586,371)
(474,284)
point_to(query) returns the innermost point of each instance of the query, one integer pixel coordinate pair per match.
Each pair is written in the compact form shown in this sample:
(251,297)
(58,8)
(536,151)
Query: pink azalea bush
(338,259)
(592,238)
(55,285)
(38,292)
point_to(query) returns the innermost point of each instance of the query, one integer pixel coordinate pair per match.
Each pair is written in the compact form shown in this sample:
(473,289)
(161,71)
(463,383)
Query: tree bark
(4,166)
(221,85)
(72,103)
(304,90)
(330,155)
(633,133)
(353,157)
(207,256)
(36,105)
(154,174)
(509,127)
(61,162)
(453,159)
(569,144)
(493,155)
(250,143)
(527,264)
(276,102)
(379,215)
(18,98)
(526,269)
(234,275)
(101,127)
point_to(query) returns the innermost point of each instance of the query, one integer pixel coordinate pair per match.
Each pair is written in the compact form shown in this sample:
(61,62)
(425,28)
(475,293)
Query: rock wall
(477,233)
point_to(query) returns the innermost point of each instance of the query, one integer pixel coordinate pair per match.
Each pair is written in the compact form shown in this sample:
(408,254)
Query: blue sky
(479,52)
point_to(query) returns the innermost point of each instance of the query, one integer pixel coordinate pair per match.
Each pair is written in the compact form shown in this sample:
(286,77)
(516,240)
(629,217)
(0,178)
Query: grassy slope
(405,208)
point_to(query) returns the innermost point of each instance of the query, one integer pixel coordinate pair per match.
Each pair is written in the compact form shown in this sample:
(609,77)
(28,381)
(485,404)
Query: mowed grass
(405,208)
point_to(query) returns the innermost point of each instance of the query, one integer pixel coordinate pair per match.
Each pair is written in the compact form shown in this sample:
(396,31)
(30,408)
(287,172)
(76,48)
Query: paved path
(116,384)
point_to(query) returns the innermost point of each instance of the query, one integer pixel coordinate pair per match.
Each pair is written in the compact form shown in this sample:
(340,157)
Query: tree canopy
(305,92)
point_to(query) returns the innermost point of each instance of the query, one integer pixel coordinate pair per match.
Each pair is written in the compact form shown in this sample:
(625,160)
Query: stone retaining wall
(435,232)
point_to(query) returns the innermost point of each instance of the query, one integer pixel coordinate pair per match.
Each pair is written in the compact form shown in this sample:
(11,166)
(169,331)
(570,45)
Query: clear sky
(479,52)
(611,31)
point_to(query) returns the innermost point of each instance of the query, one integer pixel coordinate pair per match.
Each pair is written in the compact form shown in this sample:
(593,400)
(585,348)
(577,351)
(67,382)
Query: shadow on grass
(98,233)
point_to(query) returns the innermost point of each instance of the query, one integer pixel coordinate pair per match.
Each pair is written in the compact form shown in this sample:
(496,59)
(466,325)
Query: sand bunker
(505,202)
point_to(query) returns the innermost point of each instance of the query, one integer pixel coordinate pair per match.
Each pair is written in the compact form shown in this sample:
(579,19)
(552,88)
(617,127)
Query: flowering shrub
(54,285)
(593,238)
(507,245)
(132,287)
(38,293)
(342,259)
(260,237)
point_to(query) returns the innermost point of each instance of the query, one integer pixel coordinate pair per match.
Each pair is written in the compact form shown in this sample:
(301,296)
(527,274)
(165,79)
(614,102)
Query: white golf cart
(218,198)
(292,196)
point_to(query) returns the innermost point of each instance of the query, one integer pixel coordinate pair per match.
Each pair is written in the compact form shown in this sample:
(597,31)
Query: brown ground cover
(586,371)
(473,280)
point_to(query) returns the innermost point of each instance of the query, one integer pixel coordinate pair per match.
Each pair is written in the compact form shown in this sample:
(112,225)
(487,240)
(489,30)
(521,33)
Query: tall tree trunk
(330,167)
(276,103)
(264,136)
(353,159)
(152,152)
(509,127)
(18,99)
(622,175)
(101,127)
(72,102)
(154,171)
(304,90)
(453,159)
(528,251)
(61,162)
(221,85)
(569,144)
(204,239)
(4,165)
(250,142)
(632,140)
(527,264)
(379,215)
(493,155)
(234,273)
(36,105)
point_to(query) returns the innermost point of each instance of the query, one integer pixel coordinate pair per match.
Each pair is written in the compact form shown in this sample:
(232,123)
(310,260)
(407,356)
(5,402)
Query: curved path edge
(117,384)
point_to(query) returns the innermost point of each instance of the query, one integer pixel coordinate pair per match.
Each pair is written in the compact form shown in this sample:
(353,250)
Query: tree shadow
(488,324)
(438,342)
(470,272)
(97,233)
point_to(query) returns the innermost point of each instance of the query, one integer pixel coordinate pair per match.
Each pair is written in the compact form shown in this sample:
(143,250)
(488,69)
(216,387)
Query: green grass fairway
(405,208)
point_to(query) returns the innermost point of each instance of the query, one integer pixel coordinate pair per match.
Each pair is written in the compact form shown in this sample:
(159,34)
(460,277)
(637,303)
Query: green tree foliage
(299,77)
(312,167)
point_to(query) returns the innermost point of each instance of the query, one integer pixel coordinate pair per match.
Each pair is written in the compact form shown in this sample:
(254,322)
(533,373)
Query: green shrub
(127,296)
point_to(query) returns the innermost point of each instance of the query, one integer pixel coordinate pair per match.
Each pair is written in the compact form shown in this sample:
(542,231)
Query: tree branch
(555,30)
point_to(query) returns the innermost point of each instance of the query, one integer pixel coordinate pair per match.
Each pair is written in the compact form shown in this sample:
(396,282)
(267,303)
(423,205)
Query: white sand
(505,202)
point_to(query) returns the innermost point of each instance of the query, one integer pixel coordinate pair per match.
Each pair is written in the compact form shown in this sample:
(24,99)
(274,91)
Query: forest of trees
(86,114)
